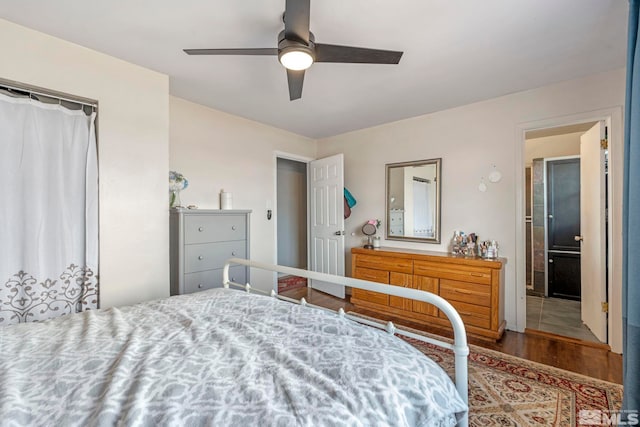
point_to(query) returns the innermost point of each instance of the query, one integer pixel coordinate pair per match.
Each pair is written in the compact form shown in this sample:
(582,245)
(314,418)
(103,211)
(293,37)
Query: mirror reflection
(413,201)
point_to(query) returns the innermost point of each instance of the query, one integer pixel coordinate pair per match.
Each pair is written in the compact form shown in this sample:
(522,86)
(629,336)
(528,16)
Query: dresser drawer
(372,276)
(472,293)
(204,229)
(208,256)
(399,265)
(195,282)
(403,281)
(375,297)
(427,284)
(463,273)
(472,314)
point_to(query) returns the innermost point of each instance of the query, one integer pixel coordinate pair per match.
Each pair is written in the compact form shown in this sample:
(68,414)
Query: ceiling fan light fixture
(296,58)
(297,49)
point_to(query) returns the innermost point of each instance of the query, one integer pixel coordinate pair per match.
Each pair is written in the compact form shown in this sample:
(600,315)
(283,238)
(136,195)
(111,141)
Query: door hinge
(605,307)
(604,143)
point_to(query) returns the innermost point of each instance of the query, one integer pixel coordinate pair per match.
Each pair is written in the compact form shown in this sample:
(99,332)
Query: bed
(226,357)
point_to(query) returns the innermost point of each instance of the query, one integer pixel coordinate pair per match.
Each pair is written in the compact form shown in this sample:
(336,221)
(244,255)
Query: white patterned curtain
(422,212)
(48,211)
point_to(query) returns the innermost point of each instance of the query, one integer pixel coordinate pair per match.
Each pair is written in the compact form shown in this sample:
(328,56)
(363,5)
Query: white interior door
(593,231)
(326,204)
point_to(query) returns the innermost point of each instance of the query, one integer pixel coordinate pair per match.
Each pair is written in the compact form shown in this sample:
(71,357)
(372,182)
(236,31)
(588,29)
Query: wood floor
(586,360)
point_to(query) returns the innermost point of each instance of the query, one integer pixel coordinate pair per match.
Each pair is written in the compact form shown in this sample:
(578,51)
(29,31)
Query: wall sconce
(482,187)
(495,175)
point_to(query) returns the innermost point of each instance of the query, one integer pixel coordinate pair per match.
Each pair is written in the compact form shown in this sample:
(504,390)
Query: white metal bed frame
(459,346)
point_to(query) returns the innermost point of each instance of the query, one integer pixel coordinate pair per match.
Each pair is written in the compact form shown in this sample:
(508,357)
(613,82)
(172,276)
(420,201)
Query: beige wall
(469,139)
(133,153)
(216,150)
(552,146)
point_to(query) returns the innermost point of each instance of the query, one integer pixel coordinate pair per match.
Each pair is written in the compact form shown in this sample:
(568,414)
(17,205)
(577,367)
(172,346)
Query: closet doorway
(566,231)
(49,237)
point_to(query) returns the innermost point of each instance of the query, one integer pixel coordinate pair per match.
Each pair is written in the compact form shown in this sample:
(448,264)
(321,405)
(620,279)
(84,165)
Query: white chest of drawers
(201,241)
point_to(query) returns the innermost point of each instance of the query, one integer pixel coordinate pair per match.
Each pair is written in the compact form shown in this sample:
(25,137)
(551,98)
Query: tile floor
(558,316)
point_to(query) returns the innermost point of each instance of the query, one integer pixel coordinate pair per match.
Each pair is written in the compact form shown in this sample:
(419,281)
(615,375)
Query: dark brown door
(563,224)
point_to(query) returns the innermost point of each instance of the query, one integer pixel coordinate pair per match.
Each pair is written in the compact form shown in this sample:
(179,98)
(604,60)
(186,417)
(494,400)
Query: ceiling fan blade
(296,20)
(258,51)
(355,55)
(295,79)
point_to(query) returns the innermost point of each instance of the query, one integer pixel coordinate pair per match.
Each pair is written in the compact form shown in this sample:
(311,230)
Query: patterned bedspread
(218,358)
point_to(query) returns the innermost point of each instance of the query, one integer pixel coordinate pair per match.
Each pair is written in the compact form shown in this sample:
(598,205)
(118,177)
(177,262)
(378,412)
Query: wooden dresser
(201,241)
(473,285)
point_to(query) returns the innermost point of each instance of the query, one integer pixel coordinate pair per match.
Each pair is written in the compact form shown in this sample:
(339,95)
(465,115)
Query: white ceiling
(455,52)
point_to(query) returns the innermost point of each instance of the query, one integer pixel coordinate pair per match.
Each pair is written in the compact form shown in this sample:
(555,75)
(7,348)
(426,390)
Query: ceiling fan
(297,48)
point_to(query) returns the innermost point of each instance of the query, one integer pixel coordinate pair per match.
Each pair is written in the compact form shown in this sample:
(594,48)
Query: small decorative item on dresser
(370,228)
(462,244)
(488,249)
(376,242)
(457,242)
(177,183)
(225,200)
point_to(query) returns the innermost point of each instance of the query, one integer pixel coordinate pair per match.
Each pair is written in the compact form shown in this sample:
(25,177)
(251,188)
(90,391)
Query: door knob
(550,261)
(578,238)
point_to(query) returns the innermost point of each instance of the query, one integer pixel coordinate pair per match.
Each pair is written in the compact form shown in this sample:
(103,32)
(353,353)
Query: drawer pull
(200,285)
(200,228)
(200,257)
(233,227)
(463,291)
(466,313)
(477,274)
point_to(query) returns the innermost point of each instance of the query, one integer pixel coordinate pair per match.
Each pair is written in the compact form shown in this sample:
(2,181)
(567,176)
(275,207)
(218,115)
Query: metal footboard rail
(459,347)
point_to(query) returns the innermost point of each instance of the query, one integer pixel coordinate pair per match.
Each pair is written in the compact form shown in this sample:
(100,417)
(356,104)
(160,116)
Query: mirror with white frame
(413,201)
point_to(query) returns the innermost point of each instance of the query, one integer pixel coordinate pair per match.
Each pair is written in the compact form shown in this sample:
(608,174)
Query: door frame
(272,205)
(613,118)
(546,213)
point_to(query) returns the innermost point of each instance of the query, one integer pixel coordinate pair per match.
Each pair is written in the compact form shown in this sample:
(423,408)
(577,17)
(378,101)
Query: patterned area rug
(286,283)
(506,390)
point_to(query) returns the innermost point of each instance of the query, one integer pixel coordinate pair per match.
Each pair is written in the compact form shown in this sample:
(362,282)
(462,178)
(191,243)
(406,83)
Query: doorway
(559,295)
(563,224)
(310,219)
(291,220)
